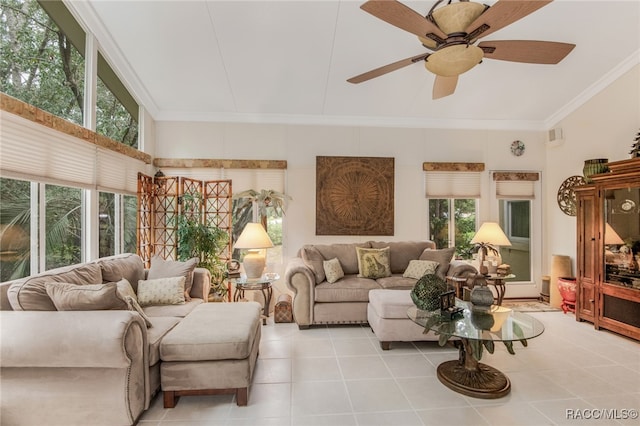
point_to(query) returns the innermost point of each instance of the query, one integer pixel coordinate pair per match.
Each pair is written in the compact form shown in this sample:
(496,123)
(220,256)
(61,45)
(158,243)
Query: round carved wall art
(566,196)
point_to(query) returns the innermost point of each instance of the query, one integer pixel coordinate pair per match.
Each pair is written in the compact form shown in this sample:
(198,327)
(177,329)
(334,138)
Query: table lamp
(254,238)
(489,237)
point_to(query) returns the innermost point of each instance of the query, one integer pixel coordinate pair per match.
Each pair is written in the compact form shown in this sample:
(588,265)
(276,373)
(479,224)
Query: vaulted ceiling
(288,62)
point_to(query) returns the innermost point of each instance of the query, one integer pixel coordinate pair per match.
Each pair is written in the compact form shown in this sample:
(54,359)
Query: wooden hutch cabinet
(608,251)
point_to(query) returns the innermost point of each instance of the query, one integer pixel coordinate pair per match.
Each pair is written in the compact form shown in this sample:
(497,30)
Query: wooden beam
(219,163)
(453,167)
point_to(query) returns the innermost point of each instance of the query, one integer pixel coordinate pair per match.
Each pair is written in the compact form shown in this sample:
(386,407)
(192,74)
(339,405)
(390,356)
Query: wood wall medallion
(354,195)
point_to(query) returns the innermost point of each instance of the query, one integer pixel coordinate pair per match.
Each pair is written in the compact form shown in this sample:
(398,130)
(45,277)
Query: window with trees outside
(43,64)
(452,222)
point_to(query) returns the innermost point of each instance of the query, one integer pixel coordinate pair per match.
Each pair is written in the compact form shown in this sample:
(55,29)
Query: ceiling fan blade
(403,17)
(444,86)
(501,14)
(528,51)
(387,69)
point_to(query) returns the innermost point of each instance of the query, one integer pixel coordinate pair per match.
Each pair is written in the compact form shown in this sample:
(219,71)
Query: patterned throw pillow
(418,268)
(333,270)
(161,291)
(373,263)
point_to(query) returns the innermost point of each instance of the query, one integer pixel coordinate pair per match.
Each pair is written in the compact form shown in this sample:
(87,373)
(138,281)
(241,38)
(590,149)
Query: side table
(457,283)
(264,284)
(497,281)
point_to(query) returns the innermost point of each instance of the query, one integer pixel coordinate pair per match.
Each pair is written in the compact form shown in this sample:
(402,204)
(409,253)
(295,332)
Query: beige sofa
(83,367)
(316,301)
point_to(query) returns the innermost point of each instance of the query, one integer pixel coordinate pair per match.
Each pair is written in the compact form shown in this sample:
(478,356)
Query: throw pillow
(125,289)
(135,306)
(418,268)
(161,291)
(313,260)
(373,263)
(333,270)
(89,297)
(443,257)
(161,268)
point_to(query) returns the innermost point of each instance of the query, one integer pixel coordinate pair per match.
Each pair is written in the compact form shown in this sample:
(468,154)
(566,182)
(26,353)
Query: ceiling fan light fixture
(456,17)
(454,60)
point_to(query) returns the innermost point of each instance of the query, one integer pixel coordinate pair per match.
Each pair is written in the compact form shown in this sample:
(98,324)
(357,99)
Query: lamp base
(253,264)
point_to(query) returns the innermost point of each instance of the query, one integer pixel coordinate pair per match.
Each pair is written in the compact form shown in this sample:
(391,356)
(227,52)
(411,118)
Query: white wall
(603,127)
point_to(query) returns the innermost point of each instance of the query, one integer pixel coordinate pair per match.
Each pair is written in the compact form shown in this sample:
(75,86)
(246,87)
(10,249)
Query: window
(43,50)
(41,65)
(63,226)
(117,224)
(452,191)
(15,229)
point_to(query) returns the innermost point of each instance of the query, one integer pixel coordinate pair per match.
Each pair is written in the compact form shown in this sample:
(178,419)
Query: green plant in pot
(207,243)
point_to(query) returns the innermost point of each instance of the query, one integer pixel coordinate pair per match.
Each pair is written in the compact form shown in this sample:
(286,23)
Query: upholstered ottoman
(213,350)
(387,316)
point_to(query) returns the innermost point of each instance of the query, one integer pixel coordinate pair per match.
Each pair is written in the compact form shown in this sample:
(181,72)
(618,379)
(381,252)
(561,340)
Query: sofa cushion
(161,291)
(159,328)
(396,282)
(391,304)
(178,311)
(90,297)
(442,256)
(345,252)
(161,268)
(30,294)
(349,289)
(418,268)
(133,305)
(401,252)
(373,263)
(313,259)
(333,270)
(128,265)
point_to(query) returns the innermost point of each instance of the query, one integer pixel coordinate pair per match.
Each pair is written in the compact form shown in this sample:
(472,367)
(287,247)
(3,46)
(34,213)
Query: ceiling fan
(451,31)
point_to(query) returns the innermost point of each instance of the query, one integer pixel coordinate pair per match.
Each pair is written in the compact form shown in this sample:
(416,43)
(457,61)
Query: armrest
(460,268)
(201,284)
(301,280)
(106,339)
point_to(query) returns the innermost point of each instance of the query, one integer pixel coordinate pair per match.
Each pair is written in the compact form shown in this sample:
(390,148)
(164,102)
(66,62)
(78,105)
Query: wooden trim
(452,167)
(29,112)
(516,176)
(219,163)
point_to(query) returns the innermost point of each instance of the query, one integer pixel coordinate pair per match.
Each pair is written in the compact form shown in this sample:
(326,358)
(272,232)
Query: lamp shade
(611,237)
(253,236)
(490,233)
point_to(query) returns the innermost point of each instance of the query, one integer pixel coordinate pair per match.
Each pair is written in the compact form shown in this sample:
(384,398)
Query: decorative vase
(481,296)
(426,293)
(567,288)
(594,167)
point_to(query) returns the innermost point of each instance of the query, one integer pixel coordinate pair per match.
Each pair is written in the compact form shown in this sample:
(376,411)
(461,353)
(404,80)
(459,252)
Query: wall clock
(517,148)
(566,195)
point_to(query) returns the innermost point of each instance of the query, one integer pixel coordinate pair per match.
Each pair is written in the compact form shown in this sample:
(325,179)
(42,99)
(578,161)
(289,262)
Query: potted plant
(207,243)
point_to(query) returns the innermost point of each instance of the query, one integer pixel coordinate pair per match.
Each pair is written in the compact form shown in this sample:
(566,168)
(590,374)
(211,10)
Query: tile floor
(339,376)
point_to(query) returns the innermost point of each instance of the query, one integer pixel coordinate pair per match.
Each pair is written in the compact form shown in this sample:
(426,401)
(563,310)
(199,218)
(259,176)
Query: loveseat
(86,367)
(345,300)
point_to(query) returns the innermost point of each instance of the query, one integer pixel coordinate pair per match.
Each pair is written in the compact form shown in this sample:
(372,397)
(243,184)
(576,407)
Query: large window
(15,228)
(117,224)
(43,51)
(63,226)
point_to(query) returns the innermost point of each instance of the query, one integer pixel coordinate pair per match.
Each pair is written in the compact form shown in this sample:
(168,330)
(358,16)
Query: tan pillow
(333,270)
(443,257)
(89,297)
(135,306)
(418,268)
(161,291)
(373,263)
(161,268)
(128,265)
(125,289)
(313,259)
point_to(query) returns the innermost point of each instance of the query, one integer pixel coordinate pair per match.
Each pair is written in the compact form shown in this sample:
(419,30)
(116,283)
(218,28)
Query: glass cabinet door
(622,237)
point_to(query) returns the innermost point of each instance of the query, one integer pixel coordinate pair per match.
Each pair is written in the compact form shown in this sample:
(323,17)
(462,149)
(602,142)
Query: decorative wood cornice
(29,112)
(219,163)
(516,176)
(453,167)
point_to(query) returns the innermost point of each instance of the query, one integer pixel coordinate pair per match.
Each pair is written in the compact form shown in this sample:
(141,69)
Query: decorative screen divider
(160,204)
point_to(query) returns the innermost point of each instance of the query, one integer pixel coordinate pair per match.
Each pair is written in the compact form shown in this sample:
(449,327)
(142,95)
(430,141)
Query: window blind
(118,173)
(513,185)
(452,184)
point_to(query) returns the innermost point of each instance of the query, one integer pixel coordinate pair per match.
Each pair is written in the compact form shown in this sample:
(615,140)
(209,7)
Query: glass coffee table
(263,284)
(474,332)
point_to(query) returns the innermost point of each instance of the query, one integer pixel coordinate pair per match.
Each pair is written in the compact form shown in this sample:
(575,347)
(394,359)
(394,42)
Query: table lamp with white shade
(254,238)
(489,237)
